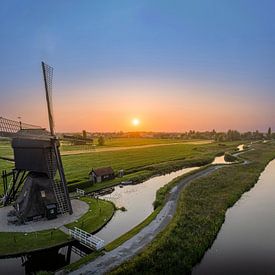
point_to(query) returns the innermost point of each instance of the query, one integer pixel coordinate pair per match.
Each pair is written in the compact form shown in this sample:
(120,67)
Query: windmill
(37,186)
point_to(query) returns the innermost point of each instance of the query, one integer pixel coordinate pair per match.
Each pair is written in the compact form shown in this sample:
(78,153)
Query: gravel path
(131,247)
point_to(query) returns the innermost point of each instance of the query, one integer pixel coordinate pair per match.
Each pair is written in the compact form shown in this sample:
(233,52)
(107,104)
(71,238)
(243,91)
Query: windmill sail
(48,78)
(10,128)
(60,187)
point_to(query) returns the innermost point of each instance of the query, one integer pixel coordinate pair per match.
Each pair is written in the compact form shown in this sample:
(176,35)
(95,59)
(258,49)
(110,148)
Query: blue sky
(183,53)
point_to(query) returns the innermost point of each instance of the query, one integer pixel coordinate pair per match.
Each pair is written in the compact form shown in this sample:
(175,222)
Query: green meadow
(123,142)
(137,163)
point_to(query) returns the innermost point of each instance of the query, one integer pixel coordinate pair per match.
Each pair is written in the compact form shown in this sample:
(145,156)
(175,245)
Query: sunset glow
(129,60)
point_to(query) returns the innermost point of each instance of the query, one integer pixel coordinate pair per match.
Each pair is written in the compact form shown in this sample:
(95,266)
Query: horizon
(173,67)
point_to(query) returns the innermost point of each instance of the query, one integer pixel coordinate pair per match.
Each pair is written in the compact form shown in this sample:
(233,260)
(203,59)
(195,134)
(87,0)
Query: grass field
(139,141)
(128,142)
(24,242)
(200,214)
(5,150)
(139,164)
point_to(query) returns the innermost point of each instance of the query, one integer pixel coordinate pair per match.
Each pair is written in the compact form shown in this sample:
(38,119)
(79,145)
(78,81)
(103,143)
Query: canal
(246,241)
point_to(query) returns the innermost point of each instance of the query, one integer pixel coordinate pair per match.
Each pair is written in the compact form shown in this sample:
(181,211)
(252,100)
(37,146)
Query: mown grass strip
(16,243)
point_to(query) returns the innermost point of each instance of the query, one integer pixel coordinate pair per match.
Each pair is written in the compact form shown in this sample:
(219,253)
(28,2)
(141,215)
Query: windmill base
(79,209)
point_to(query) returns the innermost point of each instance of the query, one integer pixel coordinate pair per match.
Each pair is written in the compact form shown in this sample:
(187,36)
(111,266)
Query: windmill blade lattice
(59,186)
(9,128)
(48,82)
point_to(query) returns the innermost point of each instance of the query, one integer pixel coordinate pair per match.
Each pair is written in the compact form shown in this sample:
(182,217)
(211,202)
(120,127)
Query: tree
(233,135)
(269,132)
(84,134)
(101,140)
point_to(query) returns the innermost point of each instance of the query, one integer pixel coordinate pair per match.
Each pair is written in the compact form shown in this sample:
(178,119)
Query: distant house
(102,174)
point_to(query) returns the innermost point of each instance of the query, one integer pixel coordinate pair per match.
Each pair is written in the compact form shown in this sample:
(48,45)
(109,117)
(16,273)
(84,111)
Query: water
(220,160)
(246,241)
(47,260)
(138,200)
(240,147)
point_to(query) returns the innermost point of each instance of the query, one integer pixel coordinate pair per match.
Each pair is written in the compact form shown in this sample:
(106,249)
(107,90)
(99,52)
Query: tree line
(230,135)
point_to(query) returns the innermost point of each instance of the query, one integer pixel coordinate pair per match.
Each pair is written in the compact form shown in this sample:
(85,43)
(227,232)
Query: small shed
(102,174)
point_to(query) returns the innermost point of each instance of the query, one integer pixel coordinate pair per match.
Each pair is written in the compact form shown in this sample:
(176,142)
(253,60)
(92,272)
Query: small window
(43,194)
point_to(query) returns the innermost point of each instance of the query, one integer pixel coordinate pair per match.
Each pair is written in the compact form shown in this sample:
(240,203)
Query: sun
(135,121)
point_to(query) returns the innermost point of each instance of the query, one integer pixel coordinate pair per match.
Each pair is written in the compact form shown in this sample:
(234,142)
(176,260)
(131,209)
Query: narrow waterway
(138,200)
(246,241)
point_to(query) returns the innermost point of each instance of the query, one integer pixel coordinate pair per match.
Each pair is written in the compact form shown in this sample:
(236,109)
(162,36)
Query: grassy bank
(98,215)
(15,242)
(200,214)
(100,212)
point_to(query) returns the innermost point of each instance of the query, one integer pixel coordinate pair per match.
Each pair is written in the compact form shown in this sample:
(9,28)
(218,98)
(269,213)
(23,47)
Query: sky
(174,65)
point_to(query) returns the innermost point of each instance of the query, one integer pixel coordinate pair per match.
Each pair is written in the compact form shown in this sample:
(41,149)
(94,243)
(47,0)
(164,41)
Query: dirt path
(131,247)
(109,149)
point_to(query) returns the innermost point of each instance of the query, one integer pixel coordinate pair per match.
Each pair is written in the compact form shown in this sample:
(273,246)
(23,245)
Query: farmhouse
(102,174)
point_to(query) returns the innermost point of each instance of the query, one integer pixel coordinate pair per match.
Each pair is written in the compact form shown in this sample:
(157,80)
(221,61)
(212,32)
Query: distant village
(231,135)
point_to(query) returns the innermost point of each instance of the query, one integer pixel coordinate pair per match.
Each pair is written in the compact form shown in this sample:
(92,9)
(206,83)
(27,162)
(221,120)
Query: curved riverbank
(129,248)
(199,216)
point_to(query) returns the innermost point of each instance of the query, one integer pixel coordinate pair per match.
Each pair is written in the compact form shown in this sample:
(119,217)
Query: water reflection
(220,160)
(246,241)
(46,260)
(241,147)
